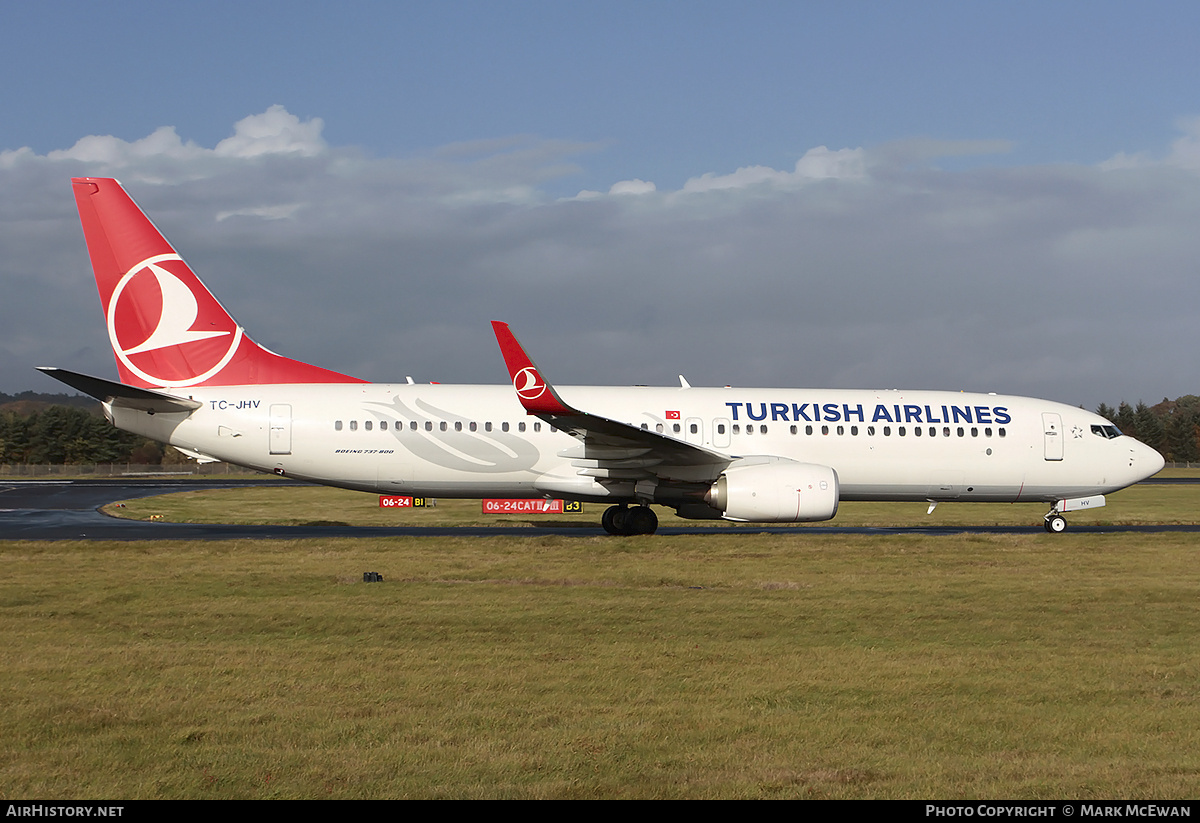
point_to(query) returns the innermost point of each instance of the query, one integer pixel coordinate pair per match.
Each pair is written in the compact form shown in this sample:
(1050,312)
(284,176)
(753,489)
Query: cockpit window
(1108,432)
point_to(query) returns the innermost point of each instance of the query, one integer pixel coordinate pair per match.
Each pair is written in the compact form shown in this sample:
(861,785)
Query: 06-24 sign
(399,501)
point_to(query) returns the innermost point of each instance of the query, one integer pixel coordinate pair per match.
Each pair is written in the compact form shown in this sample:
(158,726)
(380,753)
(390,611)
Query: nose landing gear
(1055,522)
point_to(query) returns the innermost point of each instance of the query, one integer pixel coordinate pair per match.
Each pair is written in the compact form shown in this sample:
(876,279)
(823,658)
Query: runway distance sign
(396,501)
(524,506)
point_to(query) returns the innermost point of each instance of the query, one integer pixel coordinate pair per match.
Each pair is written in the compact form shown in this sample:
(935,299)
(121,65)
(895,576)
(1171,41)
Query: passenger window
(337,425)
(841,430)
(520,427)
(537,427)
(504,427)
(367,425)
(458,425)
(720,428)
(693,428)
(675,428)
(353,425)
(808,429)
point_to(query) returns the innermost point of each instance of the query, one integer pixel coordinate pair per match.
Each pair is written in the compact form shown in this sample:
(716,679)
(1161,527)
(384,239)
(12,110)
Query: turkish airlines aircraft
(191,377)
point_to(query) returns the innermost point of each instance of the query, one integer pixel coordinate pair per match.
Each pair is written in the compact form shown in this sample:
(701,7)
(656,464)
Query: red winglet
(534,391)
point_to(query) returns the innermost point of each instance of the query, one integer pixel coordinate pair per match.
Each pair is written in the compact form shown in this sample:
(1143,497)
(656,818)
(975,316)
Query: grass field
(736,665)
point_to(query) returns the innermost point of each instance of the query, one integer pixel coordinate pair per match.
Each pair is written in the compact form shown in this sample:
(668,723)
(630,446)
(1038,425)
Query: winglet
(534,391)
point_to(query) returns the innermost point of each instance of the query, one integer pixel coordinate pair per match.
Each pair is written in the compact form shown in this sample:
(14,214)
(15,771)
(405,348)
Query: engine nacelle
(781,491)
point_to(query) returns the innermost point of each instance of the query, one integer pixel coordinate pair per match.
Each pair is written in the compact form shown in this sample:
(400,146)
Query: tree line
(1172,426)
(34,432)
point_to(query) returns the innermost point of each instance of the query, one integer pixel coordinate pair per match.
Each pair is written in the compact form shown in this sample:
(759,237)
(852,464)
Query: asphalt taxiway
(69,510)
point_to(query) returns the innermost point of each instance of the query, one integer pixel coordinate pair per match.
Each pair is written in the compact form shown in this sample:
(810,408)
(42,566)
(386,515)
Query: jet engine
(779,491)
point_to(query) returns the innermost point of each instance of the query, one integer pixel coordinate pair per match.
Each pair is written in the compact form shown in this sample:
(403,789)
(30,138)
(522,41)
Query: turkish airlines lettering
(191,377)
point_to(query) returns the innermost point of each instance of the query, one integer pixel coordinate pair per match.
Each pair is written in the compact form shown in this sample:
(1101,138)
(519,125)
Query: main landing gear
(624,520)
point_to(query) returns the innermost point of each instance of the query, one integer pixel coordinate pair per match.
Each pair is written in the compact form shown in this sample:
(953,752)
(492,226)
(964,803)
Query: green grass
(733,665)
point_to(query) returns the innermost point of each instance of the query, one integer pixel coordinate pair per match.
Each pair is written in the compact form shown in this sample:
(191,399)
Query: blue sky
(1035,133)
(664,88)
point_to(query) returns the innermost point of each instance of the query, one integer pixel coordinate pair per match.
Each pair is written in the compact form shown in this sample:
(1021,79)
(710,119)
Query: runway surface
(69,510)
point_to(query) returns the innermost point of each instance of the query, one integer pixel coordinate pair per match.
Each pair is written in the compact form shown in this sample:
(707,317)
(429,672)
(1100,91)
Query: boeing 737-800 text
(190,376)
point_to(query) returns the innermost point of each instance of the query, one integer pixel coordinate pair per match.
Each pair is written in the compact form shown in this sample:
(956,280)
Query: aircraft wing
(118,394)
(611,441)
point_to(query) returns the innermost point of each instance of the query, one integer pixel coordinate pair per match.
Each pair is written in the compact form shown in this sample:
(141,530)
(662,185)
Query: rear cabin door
(281,428)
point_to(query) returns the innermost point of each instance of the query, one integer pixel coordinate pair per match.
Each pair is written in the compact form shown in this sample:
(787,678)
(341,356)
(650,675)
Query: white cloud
(817,164)
(275,131)
(634,186)
(113,152)
(1184,152)
(280,212)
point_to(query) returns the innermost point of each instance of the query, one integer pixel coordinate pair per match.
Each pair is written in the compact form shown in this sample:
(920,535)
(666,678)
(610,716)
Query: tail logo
(168,350)
(529,384)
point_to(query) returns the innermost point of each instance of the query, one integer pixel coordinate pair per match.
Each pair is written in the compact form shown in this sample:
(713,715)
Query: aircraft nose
(1145,460)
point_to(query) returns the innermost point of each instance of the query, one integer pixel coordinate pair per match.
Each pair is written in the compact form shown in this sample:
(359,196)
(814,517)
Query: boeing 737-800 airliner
(190,376)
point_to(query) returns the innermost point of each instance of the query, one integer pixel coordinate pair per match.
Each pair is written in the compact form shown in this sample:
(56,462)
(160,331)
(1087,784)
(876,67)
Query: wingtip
(534,392)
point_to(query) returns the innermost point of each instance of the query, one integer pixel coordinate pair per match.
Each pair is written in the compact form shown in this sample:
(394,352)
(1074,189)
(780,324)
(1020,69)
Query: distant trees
(1172,426)
(68,434)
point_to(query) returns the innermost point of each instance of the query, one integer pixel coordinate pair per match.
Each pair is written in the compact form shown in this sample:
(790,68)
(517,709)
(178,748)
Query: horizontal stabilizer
(120,395)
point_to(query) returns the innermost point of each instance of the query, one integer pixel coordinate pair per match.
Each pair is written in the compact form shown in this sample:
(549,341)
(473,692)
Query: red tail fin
(166,328)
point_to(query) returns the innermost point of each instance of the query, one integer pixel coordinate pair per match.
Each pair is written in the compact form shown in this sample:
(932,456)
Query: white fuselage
(477,441)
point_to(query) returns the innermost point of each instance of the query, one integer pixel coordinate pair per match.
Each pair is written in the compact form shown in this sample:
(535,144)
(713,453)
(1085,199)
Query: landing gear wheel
(627,521)
(1056,523)
(641,520)
(609,519)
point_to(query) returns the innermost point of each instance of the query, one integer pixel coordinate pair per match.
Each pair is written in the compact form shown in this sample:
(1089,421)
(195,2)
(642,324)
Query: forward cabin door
(281,428)
(1052,431)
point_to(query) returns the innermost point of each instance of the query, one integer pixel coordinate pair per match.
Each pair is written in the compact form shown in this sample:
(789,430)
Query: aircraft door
(281,428)
(1052,429)
(720,431)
